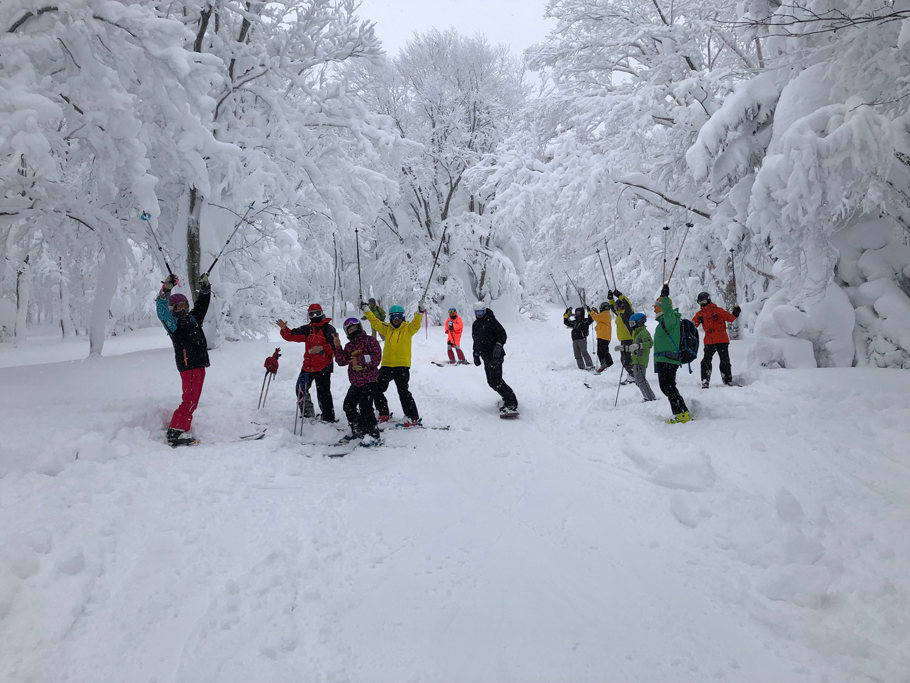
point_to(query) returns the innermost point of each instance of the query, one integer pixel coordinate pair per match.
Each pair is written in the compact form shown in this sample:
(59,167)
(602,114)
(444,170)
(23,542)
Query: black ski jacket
(486,333)
(580,326)
(185,331)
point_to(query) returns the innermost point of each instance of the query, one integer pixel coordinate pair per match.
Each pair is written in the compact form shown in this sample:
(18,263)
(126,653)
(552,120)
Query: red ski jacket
(314,335)
(714,319)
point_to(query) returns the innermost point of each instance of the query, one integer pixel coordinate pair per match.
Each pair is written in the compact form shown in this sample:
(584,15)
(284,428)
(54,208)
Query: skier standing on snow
(619,304)
(579,324)
(640,349)
(454,327)
(378,311)
(319,337)
(396,361)
(489,337)
(604,334)
(714,320)
(667,336)
(184,327)
(361,354)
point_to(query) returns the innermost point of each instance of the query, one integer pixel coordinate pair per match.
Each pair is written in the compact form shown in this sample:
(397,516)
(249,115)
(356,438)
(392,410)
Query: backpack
(687,351)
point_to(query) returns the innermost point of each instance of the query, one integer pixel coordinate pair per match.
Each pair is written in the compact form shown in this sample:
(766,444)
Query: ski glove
(204,284)
(737,310)
(665,290)
(364,306)
(476,360)
(497,350)
(421,307)
(169,283)
(610,294)
(451,325)
(617,293)
(567,313)
(634,347)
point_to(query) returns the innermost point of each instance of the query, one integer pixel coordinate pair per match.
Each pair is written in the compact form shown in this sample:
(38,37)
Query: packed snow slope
(767,540)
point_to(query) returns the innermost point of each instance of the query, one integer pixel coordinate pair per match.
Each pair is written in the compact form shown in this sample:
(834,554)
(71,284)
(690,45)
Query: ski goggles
(452,310)
(396,316)
(703,302)
(315,315)
(480,312)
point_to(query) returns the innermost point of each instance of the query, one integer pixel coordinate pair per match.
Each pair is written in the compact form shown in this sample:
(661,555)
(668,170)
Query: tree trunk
(22,301)
(193,249)
(66,317)
(105,287)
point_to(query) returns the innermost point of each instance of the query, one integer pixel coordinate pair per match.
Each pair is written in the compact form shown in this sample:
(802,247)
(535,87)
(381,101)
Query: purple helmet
(175,299)
(349,323)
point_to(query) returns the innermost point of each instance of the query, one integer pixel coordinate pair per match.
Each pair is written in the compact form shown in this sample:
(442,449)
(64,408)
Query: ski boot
(177,437)
(704,384)
(412,422)
(370,441)
(679,419)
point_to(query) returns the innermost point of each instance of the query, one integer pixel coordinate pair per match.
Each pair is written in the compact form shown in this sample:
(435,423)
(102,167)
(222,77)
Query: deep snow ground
(765,541)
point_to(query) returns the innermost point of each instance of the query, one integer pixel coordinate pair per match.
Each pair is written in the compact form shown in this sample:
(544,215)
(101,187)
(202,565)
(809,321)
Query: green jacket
(643,337)
(666,335)
(378,311)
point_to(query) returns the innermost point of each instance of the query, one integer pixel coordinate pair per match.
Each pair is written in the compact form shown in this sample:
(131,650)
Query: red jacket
(714,319)
(313,335)
(453,334)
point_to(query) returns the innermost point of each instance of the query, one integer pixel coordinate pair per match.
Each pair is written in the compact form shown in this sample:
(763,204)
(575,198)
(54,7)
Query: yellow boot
(679,419)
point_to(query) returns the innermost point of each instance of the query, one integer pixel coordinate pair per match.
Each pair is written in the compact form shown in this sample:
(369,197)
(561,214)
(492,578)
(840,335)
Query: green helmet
(396,309)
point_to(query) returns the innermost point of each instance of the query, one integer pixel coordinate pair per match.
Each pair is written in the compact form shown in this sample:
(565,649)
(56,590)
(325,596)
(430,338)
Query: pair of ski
(448,365)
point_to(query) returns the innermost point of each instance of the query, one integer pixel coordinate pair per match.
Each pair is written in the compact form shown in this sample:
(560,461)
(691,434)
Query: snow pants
(450,346)
(603,353)
(358,408)
(192,381)
(666,378)
(582,357)
(323,380)
(641,381)
(493,370)
(625,356)
(723,353)
(401,376)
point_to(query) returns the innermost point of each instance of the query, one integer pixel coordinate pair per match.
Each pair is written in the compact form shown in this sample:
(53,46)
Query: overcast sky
(518,23)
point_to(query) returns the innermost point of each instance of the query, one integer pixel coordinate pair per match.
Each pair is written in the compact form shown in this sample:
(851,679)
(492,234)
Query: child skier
(714,320)
(454,327)
(640,350)
(579,325)
(184,327)
(489,337)
(396,361)
(319,338)
(666,354)
(361,354)
(604,334)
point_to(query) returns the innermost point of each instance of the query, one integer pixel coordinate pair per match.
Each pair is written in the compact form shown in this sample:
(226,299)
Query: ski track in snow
(764,541)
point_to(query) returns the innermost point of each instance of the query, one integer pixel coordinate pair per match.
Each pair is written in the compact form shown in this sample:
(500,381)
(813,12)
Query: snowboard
(509,416)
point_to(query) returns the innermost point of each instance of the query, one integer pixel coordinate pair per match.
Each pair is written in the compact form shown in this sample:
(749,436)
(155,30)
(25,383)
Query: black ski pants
(723,353)
(625,356)
(358,408)
(603,353)
(401,376)
(323,380)
(666,378)
(493,370)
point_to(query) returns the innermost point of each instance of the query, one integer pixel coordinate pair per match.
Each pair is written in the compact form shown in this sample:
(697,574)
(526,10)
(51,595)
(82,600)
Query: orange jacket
(453,333)
(714,319)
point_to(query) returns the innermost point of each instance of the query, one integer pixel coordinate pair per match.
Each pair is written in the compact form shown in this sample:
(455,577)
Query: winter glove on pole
(169,283)
(204,285)
(364,306)
(611,294)
(567,313)
(665,290)
(421,306)
(736,310)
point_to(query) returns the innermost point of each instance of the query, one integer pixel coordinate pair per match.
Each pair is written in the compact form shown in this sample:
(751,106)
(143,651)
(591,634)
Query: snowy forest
(759,148)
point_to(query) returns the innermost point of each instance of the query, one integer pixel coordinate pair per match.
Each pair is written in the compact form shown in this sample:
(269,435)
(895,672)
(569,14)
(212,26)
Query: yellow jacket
(604,323)
(622,332)
(396,352)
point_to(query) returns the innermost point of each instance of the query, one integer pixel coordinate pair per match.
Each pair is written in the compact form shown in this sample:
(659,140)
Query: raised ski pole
(673,270)
(146,217)
(435,259)
(236,228)
(663,276)
(733,269)
(359,281)
(610,261)
(577,290)
(603,270)
(616,401)
(559,292)
(335,273)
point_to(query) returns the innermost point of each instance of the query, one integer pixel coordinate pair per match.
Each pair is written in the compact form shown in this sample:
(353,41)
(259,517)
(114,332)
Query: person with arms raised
(318,336)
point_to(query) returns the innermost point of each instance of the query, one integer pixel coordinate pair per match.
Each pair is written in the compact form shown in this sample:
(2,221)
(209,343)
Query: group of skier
(373,368)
